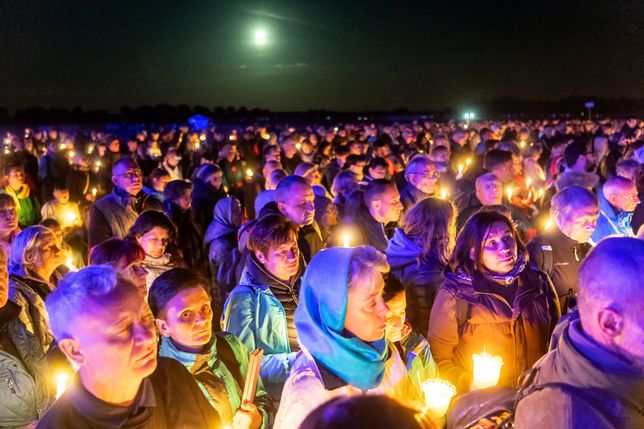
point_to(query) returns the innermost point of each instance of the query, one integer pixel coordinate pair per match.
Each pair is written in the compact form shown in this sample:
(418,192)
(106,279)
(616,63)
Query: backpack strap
(548,260)
(463,314)
(227,355)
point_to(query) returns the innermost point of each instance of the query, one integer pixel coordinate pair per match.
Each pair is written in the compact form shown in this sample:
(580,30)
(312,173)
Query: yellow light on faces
(249,172)
(438,394)
(346,240)
(487,369)
(62,380)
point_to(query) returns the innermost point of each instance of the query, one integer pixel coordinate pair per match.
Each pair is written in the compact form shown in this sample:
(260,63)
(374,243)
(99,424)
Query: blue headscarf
(319,320)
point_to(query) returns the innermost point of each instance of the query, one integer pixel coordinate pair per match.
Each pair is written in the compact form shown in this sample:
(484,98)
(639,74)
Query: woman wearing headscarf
(221,235)
(340,321)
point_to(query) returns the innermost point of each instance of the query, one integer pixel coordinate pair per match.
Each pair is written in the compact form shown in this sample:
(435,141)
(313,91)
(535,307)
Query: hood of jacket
(320,317)
(223,222)
(402,250)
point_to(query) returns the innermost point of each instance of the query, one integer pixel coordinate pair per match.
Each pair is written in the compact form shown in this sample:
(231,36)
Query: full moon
(260,37)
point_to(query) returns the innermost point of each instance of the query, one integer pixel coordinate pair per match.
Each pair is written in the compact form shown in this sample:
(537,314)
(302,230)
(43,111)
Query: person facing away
(595,375)
(105,328)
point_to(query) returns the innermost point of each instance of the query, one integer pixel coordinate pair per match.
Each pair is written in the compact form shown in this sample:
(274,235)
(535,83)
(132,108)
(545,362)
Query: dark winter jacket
(204,198)
(366,229)
(421,277)
(467,318)
(114,214)
(410,196)
(168,398)
(190,238)
(582,385)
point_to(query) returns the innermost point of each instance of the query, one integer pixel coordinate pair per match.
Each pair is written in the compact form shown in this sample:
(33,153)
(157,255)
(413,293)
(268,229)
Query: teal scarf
(319,320)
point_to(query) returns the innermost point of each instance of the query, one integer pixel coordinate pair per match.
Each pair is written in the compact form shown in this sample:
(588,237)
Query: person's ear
(164,329)
(281,206)
(610,322)
(472,255)
(71,348)
(260,257)
(114,181)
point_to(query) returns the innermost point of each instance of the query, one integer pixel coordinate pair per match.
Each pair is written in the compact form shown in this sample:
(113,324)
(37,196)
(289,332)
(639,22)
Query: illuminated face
(388,208)
(299,207)
(154,241)
(8,219)
(216,179)
(396,317)
(282,261)
(579,224)
(61,195)
(184,200)
(116,340)
(159,183)
(499,249)
(128,178)
(16,178)
(625,198)
(135,273)
(490,192)
(504,172)
(366,316)
(378,172)
(48,255)
(425,178)
(187,319)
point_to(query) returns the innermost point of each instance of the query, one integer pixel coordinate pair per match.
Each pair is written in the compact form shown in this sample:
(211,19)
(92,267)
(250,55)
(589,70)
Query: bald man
(617,201)
(560,250)
(595,376)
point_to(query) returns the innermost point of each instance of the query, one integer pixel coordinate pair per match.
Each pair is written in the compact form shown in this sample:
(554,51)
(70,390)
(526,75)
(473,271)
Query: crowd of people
(138,273)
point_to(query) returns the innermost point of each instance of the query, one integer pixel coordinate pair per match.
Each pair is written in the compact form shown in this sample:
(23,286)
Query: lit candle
(298,146)
(69,217)
(197,145)
(202,137)
(460,169)
(443,194)
(522,144)
(94,191)
(548,224)
(509,191)
(528,182)
(438,394)
(468,161)
(61,383)
(487,369)
(70,265)
(97,165)
(231,137)
(346,240)
(249,172)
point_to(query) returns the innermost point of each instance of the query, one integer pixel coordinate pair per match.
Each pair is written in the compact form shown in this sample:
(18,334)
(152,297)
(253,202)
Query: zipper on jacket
(11,384)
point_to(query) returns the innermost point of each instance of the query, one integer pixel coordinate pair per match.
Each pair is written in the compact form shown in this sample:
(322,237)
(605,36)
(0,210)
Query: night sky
(340,55)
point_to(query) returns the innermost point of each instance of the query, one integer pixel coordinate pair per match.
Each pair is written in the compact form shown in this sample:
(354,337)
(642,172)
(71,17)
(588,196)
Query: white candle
(487,369)
(443,194)
(61,383)
(438,394)
(70,265)
(346,240)
(509,191)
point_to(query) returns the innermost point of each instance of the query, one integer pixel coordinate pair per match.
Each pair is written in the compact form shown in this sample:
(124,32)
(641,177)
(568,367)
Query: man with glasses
(114,214)
(617,201)
(422,176)
(560,250)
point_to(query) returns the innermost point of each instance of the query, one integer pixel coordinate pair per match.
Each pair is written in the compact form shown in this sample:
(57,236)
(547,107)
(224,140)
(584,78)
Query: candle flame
(346,240)
(61,383)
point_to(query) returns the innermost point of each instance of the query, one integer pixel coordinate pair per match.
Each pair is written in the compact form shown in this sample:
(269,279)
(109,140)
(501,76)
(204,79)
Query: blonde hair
(26,247)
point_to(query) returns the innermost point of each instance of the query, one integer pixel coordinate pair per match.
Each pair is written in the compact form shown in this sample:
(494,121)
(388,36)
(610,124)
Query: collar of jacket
(169,349)
(505,279)
(258,275)
(123,197)
(8,313)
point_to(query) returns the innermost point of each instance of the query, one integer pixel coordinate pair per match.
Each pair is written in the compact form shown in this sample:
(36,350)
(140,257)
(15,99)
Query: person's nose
(143,333)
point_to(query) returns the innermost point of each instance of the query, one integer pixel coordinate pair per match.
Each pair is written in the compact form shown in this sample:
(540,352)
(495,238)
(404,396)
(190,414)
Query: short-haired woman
(33,260)
(180,302)
(261,309)
(491,301)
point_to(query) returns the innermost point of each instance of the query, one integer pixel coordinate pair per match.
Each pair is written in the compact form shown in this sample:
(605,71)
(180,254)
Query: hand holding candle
(487,369)
(438,394)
